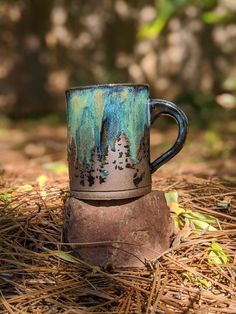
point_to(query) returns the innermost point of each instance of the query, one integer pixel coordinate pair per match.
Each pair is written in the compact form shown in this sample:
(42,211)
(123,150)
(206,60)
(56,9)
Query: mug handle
(160,107)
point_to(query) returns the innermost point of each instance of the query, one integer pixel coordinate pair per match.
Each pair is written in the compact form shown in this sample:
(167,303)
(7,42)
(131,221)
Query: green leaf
(213,17)
(153,29)
(201,225)
(177,223)
(165,10)
(42,180)
(202,282)
(202,217)
(225,204)
(217,255)
(56,167)
(65,256)
(182,216)
(25,188)
(172,202)
(199,281)
(200,221)
(188,276)
(171,197)
(6,197)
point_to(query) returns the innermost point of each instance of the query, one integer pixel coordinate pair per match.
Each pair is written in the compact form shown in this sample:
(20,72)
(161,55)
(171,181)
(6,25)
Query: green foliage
(200,221)
(215,146)
(213,17)
(202,282)
(198,281)
(42,180)
(229,84)
(225,204)
(207,4)
(56,167)
(213,142)
(217,254)
(6,197)
(171,197)
(25,188)
(165,10)
(182,217)
(49,56)
(65,256)
(202,107)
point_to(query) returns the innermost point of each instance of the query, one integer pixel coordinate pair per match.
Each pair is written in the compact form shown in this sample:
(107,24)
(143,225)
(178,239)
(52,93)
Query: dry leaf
(183,234)
(25,188)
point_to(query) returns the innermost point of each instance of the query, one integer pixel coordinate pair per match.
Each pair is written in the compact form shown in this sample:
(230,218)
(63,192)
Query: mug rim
(105,85)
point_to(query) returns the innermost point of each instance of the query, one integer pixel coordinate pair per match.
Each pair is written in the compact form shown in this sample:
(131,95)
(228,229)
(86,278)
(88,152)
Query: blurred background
(184,49)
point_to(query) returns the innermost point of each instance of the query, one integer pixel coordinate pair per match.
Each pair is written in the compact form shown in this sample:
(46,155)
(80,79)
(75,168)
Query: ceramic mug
(109,140)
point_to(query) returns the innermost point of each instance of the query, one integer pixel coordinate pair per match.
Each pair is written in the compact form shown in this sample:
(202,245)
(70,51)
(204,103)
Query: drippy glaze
(98,116)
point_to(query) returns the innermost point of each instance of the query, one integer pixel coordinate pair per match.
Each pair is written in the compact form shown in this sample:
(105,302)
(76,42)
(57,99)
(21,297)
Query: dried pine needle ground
(37,277)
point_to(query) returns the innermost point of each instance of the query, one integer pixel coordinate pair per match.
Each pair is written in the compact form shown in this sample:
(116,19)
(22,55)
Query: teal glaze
(98,115)
(105,172)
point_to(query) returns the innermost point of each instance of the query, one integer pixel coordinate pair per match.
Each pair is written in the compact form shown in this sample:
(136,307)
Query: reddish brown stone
(121,233)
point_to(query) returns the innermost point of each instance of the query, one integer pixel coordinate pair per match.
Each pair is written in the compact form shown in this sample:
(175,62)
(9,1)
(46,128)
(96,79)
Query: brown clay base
(118,233)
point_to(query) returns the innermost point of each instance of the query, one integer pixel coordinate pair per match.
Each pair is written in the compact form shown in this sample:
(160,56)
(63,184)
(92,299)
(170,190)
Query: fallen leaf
(200,221)
(172,201)
(42,180)
(64,256)
(198,281)
(202,282)
(183,234)
(25,188)
(217,255)
(200,216)
(171,197)
(6,197)
(225,203)
(181,216)
(188,276)
(96,269)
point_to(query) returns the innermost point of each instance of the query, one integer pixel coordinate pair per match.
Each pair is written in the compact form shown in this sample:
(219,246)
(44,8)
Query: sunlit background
(184,49)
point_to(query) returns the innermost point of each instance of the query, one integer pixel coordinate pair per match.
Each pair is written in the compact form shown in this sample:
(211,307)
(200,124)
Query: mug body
(108,141)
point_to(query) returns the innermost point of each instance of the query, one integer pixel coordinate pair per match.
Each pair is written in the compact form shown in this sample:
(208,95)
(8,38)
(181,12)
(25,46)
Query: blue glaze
(98,115)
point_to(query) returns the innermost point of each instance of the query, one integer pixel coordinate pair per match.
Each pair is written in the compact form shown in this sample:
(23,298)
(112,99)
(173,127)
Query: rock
(118,233)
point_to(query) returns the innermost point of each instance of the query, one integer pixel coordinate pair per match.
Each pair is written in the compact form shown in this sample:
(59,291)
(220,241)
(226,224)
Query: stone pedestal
(118,233)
